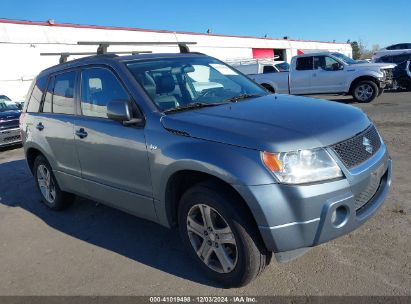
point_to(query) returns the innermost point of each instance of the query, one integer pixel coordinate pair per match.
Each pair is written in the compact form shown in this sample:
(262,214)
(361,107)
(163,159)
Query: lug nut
(209,243)
(205,233)
(209,229)
(216,245)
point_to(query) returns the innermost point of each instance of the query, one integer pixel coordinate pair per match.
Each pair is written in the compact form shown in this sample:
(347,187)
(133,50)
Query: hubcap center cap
(211,236)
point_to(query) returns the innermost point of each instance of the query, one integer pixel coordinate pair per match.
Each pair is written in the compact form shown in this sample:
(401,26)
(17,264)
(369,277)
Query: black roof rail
(103,45)
(65,55)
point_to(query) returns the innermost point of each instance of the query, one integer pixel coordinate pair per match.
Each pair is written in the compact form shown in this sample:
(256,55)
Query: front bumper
(10,137)
(298,216)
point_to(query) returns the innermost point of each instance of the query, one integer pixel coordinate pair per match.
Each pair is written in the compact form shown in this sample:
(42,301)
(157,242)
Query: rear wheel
(365,91)
(220,238)
(51,194)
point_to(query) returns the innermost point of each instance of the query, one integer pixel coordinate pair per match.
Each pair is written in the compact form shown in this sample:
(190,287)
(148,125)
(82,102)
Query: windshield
(344,58)
(4,97)
(7,106)
(175,83)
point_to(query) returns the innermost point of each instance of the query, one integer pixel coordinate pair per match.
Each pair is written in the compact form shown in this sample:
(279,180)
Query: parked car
(395,49)
(240,172)
(6,99)
(402,75)
(397,59)
(9,123)
(329,73)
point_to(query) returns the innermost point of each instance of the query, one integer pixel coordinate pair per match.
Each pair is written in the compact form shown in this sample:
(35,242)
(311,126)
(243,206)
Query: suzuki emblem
(367,144)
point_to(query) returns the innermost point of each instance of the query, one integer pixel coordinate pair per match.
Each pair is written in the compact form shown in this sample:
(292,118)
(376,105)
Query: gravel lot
(91,249)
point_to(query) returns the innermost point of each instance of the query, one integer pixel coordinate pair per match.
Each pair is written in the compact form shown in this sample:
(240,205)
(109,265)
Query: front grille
(365,196)
(388,74)
(353,151)
(11,138)
(9,124)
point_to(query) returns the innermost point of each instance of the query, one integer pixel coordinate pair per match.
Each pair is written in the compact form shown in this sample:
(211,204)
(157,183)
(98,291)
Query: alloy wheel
(364,92)
(212,238)
(46,185)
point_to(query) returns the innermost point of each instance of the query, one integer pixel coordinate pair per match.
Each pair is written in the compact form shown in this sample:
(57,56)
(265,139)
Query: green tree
(356,51)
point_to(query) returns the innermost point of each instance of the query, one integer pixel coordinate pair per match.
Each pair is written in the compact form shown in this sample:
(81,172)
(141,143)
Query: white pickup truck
(327,73)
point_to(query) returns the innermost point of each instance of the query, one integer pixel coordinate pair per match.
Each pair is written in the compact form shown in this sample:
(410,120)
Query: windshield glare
(178,82)
(344,58)
(7,106)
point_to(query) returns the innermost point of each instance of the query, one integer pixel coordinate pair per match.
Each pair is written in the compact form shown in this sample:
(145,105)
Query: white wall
(21,45)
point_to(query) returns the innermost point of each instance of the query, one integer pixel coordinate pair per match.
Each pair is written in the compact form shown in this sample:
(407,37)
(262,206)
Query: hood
(8,115)
(373,65)
(272,123)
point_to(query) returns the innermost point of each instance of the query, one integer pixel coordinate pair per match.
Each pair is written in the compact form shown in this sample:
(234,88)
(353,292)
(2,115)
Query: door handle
(40,126)
(81,133)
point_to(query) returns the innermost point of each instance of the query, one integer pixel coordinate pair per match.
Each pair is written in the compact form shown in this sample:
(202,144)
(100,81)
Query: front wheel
(221,239)
(365,91)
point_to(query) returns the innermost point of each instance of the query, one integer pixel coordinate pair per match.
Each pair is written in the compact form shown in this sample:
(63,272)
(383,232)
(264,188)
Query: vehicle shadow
(111,229)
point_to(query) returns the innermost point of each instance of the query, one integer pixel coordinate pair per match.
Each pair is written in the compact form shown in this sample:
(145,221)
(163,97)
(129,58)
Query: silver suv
(187,141)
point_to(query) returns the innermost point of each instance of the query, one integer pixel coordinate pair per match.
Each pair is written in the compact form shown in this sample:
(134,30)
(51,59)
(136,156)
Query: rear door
(113,157)
(51,113)
(301,74)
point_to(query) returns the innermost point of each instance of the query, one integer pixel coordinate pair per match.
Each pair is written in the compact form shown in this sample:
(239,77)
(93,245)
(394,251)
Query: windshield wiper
(195,105)
(241,97)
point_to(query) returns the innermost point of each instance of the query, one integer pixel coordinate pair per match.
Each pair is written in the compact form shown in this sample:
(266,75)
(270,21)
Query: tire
(51,194)
(240,246)
(365,91)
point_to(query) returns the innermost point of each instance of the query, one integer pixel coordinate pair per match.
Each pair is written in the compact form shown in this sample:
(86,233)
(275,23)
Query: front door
(329,75)
(113,157)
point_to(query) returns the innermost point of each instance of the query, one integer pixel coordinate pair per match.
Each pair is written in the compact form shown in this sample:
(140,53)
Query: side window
(325,63)
(269,69)
(48,99)
(304,63)
(63,93)
(36,95)
(98,87)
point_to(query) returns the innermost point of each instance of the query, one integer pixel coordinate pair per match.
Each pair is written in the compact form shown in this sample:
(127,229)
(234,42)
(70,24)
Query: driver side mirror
(120,110)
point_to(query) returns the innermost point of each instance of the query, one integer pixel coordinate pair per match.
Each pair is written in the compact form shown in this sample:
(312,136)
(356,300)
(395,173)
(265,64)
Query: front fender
(357,74)
(232,164)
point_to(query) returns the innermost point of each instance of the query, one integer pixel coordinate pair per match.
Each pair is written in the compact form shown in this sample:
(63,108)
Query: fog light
(339,216)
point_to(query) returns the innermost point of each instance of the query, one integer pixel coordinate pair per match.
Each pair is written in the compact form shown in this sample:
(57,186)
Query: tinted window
(48,98)
(401,58)
(269,69)
(36,95)
(63,94)
(304,63)
(99,87)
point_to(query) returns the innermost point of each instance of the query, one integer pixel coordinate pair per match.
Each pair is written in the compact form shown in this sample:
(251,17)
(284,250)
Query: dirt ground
(94,250)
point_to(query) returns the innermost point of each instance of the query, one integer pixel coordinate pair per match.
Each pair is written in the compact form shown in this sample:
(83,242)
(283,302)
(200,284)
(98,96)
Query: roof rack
(64,56)
(246,61)
(103,45)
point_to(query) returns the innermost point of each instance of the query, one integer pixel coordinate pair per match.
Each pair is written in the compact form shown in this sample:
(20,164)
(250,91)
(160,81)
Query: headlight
(303,166)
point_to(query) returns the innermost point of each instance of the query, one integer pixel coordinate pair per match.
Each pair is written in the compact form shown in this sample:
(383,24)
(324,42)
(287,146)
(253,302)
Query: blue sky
(374,22)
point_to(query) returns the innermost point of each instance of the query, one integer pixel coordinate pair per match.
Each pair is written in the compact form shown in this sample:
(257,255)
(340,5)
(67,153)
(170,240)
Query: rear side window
(36,95)
(269,69)
(63,93)
(98,87)
(304,63)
